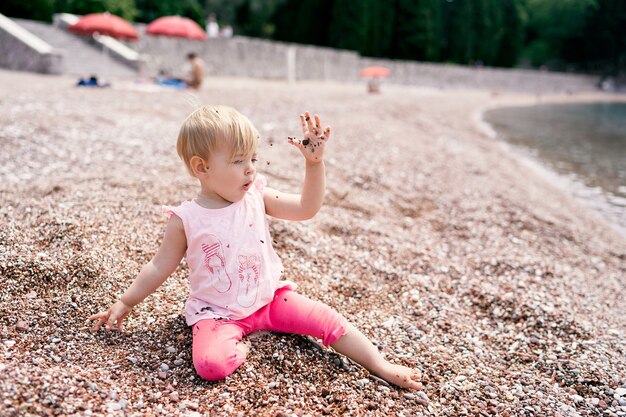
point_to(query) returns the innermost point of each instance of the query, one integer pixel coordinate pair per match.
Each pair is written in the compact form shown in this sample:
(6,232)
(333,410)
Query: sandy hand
(117,313)
(314,141)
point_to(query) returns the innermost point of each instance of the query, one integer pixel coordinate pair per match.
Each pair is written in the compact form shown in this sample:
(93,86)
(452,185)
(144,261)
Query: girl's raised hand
(117,313)
(312,146)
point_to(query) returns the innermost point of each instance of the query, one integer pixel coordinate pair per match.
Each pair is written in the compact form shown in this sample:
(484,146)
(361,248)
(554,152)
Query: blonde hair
(208,127)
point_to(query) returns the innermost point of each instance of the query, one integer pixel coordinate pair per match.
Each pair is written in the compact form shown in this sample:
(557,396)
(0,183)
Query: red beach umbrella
(105,24)
(177,26)
(374,72)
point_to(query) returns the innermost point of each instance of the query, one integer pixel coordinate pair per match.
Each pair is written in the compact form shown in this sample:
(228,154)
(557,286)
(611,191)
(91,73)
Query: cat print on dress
(249,273)
(214,261)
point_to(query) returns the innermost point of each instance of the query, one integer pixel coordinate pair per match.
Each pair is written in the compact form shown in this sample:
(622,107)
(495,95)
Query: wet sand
(443,247)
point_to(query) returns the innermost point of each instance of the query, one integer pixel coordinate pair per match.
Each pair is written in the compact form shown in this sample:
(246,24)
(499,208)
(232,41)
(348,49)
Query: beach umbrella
(176,26)
(104,24)
(374,72)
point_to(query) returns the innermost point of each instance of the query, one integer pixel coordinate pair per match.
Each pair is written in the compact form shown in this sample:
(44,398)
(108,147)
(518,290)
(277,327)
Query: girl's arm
(152,275)
(305,205)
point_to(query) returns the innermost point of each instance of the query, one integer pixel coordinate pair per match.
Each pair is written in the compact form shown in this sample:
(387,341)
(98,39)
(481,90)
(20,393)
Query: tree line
(578,35)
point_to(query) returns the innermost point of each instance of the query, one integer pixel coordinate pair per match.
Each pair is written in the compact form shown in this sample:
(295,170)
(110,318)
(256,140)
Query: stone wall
(457,76)
(247,57)
(258,58)
(16,53)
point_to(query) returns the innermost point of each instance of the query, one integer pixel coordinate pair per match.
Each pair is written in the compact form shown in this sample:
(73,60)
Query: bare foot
(401,376)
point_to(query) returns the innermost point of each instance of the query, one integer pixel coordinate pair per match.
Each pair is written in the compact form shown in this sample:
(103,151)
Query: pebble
(171,349)
(9,343)
(113,406)
(362,382)
(178,362)
(620,392)
(409,396)
(21,325)
(132,360)
(164,367)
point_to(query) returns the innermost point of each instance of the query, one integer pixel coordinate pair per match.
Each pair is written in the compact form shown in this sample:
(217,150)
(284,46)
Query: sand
(436,240)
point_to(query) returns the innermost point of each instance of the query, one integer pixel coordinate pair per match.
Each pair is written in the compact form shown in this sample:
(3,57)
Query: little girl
(234,273)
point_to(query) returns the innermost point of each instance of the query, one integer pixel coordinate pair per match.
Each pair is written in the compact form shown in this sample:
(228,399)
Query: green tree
(150,10)
(417,30)
(303,21)
(123,8)
(36,9)
(381,21)
(551,24)
(513,34)
(459,36)
(604,39)
(488,30)
(254,17)
(349,24)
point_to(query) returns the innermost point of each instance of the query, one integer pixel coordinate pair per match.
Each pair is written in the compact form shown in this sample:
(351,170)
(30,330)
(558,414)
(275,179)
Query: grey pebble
(132,359)
(114,406)
(164,367)
(178,362)
(171,349)
(362,382)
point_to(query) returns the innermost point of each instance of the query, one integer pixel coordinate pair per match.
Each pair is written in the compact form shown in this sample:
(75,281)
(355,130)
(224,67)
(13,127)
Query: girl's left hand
(312,146)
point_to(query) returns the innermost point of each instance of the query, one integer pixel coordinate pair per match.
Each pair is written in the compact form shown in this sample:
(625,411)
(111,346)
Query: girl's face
(229,178)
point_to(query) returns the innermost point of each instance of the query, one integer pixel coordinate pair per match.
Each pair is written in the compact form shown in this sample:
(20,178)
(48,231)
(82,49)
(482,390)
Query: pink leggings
(214,341)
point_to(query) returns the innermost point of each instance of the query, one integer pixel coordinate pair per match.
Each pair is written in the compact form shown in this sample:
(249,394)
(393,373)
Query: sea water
(584,144)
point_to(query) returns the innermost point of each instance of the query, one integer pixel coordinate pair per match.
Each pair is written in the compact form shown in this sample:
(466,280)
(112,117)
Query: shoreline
(434,239)
(573,187)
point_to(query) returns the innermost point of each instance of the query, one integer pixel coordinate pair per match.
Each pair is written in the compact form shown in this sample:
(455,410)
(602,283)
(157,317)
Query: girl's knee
(213,367)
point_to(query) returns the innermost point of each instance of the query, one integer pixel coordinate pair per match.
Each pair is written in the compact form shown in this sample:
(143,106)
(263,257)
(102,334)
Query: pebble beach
(447,250)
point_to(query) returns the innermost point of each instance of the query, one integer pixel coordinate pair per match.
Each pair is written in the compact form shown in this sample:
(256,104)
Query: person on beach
(196,74)
(234,272)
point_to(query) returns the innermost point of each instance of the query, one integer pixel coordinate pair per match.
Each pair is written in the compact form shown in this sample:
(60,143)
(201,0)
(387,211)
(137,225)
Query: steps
(80,56)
